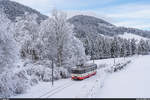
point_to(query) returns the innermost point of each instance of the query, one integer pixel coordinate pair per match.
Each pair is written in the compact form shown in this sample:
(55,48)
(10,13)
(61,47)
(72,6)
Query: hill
(84,24)
(13,9)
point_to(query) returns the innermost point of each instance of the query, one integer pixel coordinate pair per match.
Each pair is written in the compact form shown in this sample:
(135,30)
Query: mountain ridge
(14,9)
(84,24)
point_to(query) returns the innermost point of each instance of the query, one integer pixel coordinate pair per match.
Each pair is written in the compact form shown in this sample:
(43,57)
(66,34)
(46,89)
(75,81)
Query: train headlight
(81,75)
(77,75)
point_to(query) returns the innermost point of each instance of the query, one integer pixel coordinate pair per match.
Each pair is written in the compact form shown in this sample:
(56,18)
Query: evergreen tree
(133,47)
(143,47)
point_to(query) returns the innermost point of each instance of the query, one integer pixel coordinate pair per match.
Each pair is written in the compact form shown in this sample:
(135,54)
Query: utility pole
(124,57)
(52,72)
(93,59)
(92,51)
(92,56)
(114,60)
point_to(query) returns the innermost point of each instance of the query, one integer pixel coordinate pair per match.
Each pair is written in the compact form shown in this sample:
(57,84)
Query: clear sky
(128,13)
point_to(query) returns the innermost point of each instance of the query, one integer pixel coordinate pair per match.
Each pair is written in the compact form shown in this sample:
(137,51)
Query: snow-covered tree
(8,47)
(133,46)
(115,47)
(59,42)
(128,47)
(26,28)
(148,44)
(26,34)
(143,47)
(10,83)
(99,48)
(106,48)
(123,51)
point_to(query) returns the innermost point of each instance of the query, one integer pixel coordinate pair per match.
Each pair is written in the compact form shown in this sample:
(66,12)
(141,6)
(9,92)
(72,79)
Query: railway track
(56,90)
(60,88)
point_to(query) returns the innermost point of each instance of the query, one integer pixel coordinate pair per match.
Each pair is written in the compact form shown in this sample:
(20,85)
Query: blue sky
(128,13)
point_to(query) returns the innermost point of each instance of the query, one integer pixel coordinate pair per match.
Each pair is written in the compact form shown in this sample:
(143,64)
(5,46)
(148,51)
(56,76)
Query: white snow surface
(133,81)
(131,36)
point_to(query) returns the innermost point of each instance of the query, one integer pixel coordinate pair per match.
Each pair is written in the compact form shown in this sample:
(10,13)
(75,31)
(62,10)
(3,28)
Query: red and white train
(82,72)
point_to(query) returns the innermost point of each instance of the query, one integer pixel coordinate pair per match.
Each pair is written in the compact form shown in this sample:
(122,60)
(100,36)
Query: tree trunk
(59,58)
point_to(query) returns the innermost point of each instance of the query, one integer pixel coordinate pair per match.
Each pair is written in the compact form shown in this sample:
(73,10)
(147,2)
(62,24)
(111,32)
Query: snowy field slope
(65,88)
(132,82)
(131,36)
(129,82)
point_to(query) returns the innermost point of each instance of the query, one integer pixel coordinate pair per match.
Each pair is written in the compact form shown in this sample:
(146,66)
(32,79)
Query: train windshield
(84,70)
(74,71)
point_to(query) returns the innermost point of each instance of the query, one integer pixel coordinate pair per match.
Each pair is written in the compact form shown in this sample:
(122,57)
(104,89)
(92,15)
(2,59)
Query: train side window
(86,70)
(82,71)
(79,72)
(92,68)
(96,66)
(89,69)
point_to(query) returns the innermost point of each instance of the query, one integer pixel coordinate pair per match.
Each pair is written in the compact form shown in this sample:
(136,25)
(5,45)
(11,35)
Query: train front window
(76,71)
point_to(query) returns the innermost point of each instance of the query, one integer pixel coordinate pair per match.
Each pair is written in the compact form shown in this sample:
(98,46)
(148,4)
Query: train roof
(89,64)
(85,66)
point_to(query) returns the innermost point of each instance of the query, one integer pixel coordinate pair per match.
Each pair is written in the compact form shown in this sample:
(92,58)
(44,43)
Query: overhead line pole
(52,72)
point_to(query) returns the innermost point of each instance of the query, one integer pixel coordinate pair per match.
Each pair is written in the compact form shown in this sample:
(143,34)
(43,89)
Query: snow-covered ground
(133,81)
(131,36)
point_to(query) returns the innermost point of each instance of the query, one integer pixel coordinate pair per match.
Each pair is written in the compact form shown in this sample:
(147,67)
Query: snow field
(68,88)
(133,82)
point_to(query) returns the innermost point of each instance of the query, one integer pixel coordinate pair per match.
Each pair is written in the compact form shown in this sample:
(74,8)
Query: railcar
(82,72)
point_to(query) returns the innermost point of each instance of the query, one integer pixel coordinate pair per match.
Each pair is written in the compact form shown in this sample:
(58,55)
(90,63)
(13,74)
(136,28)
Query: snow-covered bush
(5,85)
(118,67)
(36,71)
(64,73)
(42,73)
(21,84)
(33,80)
(102,65)
(47,76)
(12,83)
